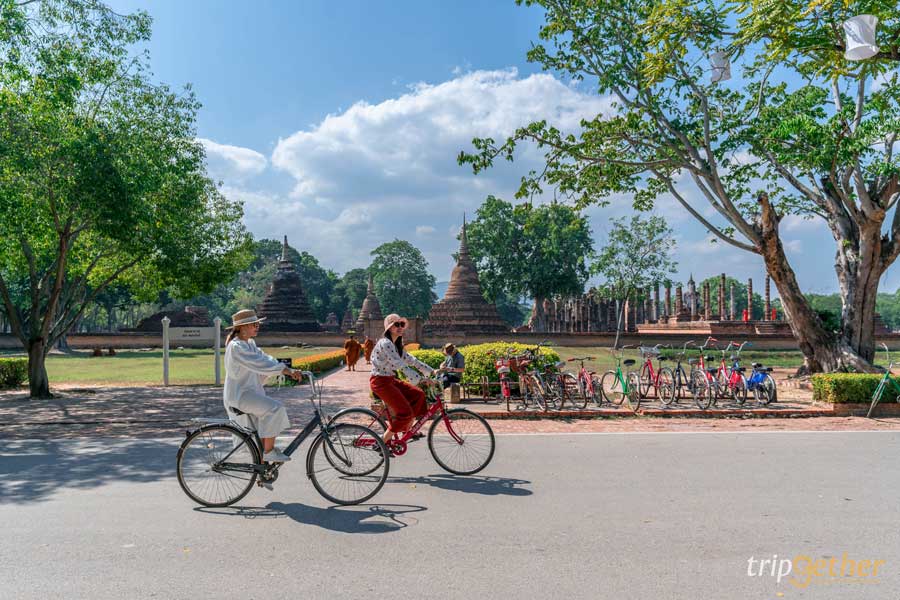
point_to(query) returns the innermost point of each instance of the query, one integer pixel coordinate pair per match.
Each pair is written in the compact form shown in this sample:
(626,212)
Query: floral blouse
(386,362)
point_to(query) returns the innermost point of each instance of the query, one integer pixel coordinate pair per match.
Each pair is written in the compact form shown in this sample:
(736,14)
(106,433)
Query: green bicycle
(879,391)
(617,385)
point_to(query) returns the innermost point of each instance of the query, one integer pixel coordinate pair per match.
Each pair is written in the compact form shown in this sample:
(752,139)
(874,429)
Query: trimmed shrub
(480,362)
(432,358)
(318,363)
(13,372)
(840,388)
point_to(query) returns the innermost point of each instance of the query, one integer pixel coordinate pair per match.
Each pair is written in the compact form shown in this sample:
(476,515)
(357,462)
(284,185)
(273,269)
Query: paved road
(555,516)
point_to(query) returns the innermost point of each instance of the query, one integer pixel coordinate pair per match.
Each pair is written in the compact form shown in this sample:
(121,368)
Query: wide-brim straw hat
(391,319)
(244,317)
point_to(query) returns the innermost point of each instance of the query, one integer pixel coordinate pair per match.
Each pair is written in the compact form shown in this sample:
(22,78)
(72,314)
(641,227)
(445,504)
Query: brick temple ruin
(285,305)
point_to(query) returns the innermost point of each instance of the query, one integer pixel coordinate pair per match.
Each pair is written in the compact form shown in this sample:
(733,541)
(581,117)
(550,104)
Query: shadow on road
(364,518)
(473,484)
(32,470)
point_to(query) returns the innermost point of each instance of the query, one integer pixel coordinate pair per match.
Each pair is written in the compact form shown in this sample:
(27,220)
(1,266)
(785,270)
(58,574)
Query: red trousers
(405,402)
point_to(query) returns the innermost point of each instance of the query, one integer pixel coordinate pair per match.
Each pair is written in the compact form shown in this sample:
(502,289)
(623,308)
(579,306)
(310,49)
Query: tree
(805,133)
(537,251)
(402,281)
(102,181)
(351,290)
(636,257)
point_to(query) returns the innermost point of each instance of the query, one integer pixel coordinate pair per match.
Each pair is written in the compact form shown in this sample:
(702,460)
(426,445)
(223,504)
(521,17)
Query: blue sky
(338,124)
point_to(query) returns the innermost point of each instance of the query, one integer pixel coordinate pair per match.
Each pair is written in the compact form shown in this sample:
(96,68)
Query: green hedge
(840,388)
(13,372)
(480,363)
(432,358)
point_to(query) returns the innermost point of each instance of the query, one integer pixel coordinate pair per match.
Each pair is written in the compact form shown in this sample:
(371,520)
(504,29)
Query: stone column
(692,288)
(768,310)
(679,300)
(731,302)
(707,309)
(750,298)
(667,307)
(722,312)
(656,303)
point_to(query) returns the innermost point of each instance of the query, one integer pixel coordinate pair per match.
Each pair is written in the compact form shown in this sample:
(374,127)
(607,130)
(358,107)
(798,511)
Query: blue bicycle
(760,383)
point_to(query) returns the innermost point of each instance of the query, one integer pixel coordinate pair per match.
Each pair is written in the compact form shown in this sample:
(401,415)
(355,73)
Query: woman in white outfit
(246,368)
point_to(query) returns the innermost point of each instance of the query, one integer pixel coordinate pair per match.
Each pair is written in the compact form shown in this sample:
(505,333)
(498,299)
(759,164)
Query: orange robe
(368,347)
(351,352)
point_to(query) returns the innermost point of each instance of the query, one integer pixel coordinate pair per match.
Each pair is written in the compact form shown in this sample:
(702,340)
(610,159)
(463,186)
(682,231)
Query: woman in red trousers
(405,402)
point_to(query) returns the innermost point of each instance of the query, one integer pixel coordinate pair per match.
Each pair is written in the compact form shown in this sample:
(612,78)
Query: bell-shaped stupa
(285,305)
(463,309)
(371,309)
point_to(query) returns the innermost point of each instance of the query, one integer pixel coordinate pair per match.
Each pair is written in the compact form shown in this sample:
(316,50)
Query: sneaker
(275,455)
(417,436)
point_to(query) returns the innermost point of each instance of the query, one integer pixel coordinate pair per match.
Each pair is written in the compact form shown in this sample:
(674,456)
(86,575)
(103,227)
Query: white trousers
(264,414)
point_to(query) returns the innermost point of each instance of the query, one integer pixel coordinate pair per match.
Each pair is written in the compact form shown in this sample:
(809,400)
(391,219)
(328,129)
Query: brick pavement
(161,411)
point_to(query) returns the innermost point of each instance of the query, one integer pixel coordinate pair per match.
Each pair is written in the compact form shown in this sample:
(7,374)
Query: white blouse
(386,361)
(246,368)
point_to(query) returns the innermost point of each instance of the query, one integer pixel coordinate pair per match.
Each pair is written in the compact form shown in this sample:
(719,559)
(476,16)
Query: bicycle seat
(662,358)
(709,357)
(712,371)
(628,362)
(757,365)
(739,369)
(692,361)
(236,410)
(767,369)
(503,370)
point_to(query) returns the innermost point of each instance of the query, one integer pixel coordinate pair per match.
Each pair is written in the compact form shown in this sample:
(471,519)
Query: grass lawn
(603,360)
(132,367)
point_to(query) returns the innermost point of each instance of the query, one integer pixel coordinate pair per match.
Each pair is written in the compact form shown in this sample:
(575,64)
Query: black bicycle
(219,462)
(680,377)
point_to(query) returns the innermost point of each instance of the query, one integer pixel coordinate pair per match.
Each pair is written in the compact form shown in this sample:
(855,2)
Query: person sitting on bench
(453,366)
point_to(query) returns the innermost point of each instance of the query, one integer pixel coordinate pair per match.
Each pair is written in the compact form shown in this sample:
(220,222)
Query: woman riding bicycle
(405,402)
(246,368)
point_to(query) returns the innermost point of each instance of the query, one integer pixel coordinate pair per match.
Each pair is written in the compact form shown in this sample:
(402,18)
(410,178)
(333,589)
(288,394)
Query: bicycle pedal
(265,484)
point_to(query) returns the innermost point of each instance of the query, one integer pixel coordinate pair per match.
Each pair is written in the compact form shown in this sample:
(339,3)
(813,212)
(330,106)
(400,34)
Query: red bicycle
(588,382)
(661,380)
(460,441)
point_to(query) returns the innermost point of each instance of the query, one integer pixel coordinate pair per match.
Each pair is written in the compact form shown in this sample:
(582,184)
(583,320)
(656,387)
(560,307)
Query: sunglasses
(399,324)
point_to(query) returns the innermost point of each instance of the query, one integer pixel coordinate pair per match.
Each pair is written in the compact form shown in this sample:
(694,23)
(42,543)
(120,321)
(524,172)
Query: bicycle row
(550,387)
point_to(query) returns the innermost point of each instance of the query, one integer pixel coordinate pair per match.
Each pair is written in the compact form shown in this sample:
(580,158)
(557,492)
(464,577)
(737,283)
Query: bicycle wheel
(573,391)
(359,451)
(461,442)
(665,386)
(597,390)
(738,389)
(611,388)
(215,465)
(532,394)
(646,382)
(720,381)
(634,394)
(359,416)
(772,389)
(701,389)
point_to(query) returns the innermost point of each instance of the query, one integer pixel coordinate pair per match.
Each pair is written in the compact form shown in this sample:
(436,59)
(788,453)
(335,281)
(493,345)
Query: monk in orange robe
(351,352)
(368,346)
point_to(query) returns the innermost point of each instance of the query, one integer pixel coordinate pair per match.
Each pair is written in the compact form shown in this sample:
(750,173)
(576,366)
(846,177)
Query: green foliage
(102,180)
(432,358)
(480,359)
(637,255)
(13,372)
(352,290)
(849,387)
(536,251)
(402,281)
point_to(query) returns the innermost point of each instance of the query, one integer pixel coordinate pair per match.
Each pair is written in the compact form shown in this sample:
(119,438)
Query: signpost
(165,324)
(192,334)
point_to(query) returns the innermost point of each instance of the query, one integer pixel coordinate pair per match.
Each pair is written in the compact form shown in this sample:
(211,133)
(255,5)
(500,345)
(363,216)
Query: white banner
(192,334)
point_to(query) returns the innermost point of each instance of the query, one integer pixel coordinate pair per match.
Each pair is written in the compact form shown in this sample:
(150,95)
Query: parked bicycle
(703,380)
(534,389)
(564,386)
(681,380)
(659,379)
(730,377)
(885,379)
(588,382)
(460,441)
(617,385)
(218,463)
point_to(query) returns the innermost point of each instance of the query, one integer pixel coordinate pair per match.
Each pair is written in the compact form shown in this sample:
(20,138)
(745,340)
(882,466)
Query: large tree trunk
(859,267)
(538,320)
(38,382)
(822,349)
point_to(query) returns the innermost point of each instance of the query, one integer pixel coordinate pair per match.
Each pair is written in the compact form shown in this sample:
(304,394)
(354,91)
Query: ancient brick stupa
(463,309)
(285,306)
(370,311)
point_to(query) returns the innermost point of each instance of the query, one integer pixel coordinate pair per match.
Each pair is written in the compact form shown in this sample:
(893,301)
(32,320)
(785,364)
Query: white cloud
(424,230)
(232,162)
